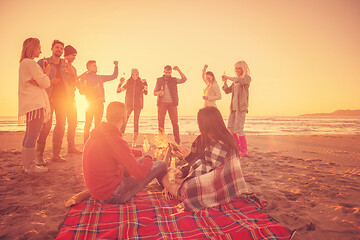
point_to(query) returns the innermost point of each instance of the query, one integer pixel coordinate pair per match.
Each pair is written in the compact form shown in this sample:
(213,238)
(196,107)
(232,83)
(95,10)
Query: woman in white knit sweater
(212,90)
(33,100)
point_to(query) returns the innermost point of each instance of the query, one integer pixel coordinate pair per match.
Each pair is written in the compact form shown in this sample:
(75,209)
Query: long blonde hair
(28,48)
(244,67)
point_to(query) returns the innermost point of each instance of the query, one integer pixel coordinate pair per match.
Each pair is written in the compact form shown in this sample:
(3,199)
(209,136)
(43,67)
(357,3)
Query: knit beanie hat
(68,50)
(134,70)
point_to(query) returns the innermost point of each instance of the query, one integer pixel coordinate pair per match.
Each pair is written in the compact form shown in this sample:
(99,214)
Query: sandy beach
(310,182)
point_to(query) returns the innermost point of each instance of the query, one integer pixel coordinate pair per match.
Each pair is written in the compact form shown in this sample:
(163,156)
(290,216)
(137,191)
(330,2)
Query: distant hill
(337,113)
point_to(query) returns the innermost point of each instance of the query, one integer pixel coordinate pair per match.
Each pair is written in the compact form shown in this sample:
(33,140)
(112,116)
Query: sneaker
(58,158)
(40,161)
(36,169)
(74,150)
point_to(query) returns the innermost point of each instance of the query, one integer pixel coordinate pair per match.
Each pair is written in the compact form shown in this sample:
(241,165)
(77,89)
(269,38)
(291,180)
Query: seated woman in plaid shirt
(213,174)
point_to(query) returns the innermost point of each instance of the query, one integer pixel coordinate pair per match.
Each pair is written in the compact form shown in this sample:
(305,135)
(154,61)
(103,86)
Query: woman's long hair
(28,48)
(212,75)
(244,67)
(211,123)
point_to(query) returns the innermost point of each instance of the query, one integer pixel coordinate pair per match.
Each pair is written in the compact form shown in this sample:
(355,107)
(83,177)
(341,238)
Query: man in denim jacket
(59,93)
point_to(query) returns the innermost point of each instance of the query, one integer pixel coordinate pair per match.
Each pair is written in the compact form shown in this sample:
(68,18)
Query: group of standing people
(45,87)
(239,90)
(168,99)
(48,86)
(113,172)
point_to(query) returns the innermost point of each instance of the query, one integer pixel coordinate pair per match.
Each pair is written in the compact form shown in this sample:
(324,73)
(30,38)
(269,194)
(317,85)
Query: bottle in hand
(146,145)
(172,170)
(145,84)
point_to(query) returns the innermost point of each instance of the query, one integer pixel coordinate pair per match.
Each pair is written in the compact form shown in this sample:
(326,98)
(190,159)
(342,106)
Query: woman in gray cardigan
(239,103)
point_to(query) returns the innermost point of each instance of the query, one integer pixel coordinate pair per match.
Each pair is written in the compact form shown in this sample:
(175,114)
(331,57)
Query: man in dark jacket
(168,99)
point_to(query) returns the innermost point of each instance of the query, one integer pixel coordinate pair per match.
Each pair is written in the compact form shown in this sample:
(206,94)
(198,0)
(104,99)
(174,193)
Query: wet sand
(311,184)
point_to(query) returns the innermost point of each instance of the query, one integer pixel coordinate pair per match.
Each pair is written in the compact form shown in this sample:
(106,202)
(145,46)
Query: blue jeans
(236,122)
(136,119)
(72,122)
(59,130)
(164,107)
(33,127)
(129,186)
(95,110)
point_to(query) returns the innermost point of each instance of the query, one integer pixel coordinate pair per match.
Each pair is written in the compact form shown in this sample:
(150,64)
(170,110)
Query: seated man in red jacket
(111,172)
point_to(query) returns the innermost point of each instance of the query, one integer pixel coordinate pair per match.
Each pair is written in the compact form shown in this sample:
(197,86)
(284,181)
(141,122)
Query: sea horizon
(254,125)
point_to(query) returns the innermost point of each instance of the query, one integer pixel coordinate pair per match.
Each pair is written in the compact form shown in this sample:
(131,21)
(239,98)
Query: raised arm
(183,77)
(79,78)
(145,86)
(226,88)
(243,81)
(204,74)
(121,88)
(106,78)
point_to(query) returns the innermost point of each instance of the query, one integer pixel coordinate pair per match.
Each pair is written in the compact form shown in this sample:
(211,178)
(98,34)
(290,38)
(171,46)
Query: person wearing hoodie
(239,103)
(112,173)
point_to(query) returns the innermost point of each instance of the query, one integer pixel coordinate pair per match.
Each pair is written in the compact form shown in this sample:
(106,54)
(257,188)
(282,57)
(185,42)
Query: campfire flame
(161,143)
(165,149)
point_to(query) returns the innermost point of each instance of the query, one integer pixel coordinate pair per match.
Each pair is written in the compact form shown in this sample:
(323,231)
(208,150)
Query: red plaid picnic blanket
(150,216)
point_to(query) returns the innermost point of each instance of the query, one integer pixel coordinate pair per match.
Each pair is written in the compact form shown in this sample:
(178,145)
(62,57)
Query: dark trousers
(95,110)
(72,123)
(136,119)
(173,114)
(60,109)
(129,186)
(33,127)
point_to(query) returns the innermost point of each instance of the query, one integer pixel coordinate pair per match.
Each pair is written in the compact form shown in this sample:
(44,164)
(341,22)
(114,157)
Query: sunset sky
(304,56)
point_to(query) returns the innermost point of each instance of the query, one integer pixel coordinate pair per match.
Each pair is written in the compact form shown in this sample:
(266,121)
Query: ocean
(253,125)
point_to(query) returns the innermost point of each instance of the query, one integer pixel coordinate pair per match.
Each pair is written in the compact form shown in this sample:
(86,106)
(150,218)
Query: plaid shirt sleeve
(212,158)
(213,180)
(193,154)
